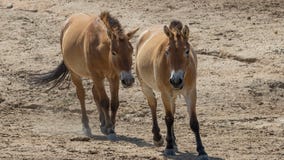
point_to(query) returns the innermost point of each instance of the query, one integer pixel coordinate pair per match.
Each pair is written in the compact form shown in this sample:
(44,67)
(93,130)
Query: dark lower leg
(114,87)
(114,107)
(169,122)
(194,125)
(105,109)
(174,138)
(101,115)
(156,129)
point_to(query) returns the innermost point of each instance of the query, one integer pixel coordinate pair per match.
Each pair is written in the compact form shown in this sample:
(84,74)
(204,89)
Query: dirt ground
(240,46)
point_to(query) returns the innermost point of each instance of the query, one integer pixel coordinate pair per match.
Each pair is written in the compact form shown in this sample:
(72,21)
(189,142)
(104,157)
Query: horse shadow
(142,143)
(188,156)
(134,140)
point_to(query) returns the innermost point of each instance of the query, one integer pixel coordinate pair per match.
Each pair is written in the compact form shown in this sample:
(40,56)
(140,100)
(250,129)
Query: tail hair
(56,76)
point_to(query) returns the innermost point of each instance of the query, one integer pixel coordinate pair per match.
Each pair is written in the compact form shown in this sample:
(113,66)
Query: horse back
(149,56)
(81,40)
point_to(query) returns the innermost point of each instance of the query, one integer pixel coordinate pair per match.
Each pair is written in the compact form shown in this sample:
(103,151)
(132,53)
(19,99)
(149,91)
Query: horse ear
(185,31)
(131,33)
(168,32)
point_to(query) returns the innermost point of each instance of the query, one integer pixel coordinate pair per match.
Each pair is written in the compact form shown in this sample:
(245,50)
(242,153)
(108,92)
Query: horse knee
(194,125)
(104,103)
(114,106)
(155,129)
(169,120)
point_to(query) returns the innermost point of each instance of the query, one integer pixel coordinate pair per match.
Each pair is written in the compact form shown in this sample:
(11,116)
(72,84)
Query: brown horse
(95,47)
(165,62)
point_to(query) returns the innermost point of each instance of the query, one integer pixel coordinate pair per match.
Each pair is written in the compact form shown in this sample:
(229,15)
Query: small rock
(80,139)
(9,6)
(2,99)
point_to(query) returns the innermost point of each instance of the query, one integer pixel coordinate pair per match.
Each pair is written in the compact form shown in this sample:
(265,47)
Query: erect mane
(176,26)
(111,23)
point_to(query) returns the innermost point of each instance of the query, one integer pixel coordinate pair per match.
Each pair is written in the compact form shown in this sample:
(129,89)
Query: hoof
(87,132)
(112,137)
(176,148)
(169,152)
(159,143)
(202,157)
(104,130)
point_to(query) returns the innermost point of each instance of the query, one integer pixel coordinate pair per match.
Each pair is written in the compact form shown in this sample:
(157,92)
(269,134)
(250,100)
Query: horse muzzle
(126,78)
(177,79)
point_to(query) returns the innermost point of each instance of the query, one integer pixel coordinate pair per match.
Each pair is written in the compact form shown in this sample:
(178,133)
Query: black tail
(57,76)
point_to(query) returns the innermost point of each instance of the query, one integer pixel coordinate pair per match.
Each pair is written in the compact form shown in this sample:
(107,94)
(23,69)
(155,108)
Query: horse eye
(113,53)
(167,53)
(187,52)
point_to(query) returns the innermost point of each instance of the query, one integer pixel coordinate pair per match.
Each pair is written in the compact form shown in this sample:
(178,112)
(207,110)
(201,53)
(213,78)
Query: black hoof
(176,148)
(104,130)
(159,143)
(170,152)
(87,132)
(202,157)
(112,137)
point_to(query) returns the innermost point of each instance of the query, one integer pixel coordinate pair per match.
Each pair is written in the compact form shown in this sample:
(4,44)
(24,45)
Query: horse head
(177,52)
(121,48)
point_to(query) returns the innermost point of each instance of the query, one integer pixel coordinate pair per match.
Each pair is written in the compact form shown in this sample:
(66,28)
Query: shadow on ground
(188,156)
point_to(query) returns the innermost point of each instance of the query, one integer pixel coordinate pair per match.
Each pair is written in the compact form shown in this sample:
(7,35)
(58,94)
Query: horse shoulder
(95,37)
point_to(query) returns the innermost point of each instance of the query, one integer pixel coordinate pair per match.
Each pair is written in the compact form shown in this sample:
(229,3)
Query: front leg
(167,101)
(101,114)
(103,103)
(190,100)
(114,88)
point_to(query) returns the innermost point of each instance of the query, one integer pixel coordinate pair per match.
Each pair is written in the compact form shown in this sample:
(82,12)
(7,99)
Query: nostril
(171,81)
(123,81)
(127,82)
(179,81)
(176,82)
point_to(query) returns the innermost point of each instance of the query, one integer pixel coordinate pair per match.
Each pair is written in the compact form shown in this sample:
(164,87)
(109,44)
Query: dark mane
(111,23)
(175,26)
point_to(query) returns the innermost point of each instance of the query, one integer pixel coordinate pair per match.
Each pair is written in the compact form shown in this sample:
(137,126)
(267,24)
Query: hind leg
(81,96)
(152,102)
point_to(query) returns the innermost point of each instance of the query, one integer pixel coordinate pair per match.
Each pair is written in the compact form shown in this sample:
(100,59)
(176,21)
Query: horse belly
(75,61)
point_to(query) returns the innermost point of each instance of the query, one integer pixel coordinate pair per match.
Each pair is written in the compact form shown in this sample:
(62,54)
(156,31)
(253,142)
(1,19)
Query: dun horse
(165,62)
(95,47)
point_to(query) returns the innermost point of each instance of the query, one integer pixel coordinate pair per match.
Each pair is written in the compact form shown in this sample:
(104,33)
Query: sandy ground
(240,46)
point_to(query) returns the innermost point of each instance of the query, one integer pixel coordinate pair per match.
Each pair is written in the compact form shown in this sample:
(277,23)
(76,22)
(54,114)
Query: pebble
(9,6)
